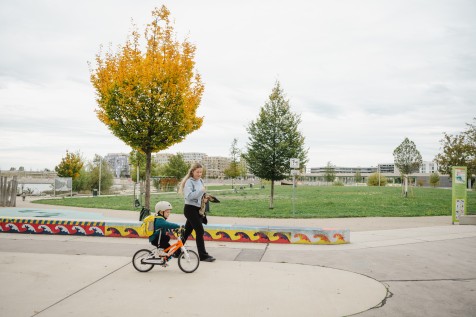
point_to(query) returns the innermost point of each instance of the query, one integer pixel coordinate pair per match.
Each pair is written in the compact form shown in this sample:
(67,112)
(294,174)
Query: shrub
(373,180)
(165,183)
(434,179)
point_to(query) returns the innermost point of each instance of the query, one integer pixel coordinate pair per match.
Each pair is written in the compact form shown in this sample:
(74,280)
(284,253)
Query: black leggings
(164,241)
(194,222)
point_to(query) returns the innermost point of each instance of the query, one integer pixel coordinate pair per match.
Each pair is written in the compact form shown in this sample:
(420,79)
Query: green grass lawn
(309,202)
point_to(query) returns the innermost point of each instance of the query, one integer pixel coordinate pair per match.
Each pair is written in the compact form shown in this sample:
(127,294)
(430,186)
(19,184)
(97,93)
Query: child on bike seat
(161,226)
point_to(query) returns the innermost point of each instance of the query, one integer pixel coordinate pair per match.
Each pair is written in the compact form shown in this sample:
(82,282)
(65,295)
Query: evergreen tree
(273,140)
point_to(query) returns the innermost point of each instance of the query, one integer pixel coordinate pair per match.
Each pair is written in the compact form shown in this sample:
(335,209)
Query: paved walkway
(393,267)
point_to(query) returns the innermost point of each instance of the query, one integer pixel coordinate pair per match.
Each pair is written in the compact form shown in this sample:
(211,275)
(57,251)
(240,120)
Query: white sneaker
(160,252)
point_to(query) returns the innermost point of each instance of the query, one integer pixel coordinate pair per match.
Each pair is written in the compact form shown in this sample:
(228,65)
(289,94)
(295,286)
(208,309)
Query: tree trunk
(147,179)
(406,186)
(2,191)
(13,198)
(7,198)
(271,197)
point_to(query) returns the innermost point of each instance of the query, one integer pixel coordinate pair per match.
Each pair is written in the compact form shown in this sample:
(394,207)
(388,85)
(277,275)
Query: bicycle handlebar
(180,231)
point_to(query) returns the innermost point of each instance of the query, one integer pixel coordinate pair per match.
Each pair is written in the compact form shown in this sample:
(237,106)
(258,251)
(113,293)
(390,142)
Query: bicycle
(188,260)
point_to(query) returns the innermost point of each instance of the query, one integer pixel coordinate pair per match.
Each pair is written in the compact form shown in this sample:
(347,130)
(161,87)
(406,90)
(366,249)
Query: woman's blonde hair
(192,169)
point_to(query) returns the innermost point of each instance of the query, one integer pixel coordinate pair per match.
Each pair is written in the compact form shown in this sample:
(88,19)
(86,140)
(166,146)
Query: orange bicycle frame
(174,247)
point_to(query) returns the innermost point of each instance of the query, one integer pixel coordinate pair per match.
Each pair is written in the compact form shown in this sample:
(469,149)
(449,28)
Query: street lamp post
(137,194)
(100,176)
(378,166)
(98,157)
(294,165)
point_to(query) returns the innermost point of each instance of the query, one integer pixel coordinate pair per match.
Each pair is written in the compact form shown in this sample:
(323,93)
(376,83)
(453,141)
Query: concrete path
(415,267)
(86,285)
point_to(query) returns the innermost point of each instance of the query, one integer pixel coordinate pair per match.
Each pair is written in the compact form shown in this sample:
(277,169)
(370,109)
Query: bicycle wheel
(188,263)
(138,257)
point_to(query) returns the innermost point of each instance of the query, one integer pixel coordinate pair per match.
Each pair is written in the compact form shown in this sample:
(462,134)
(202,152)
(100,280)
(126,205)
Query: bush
(373,180)
(165,184)
(338,183)
(435,179)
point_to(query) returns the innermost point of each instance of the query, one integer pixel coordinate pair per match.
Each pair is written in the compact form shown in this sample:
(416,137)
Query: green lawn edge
(300,202)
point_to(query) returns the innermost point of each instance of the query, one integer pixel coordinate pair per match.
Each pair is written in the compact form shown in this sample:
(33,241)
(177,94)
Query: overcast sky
(363,75)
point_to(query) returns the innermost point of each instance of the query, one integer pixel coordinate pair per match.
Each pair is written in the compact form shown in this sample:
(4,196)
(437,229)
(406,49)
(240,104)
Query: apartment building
(428,167)
(162,158)
(214,165)
(191,157)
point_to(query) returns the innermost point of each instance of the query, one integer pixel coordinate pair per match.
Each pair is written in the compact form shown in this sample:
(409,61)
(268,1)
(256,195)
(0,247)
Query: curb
(216,232)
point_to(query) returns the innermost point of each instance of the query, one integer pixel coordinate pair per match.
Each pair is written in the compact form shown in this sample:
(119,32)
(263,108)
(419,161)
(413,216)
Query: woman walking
(193,189)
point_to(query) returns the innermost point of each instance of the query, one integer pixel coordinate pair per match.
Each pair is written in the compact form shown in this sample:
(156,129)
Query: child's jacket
(161,223)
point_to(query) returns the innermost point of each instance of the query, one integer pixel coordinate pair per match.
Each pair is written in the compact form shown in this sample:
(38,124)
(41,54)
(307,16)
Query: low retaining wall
(467,220)
(217,232)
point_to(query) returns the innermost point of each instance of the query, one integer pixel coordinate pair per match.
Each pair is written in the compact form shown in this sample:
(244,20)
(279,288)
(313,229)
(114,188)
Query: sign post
(294,164)
(459,194)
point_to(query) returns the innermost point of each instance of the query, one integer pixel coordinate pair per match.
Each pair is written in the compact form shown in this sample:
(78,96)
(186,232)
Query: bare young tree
(407,159)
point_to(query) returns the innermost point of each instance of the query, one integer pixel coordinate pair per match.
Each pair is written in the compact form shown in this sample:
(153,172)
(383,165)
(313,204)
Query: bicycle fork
(185,253)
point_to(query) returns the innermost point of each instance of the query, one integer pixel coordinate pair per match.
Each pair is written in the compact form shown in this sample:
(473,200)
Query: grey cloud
(360,80)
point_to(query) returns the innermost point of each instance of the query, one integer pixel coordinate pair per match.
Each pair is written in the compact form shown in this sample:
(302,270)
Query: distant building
(193,157)
(119,164)
(428,167)
(215,166)
(389,170)
(162,158)
(344,170)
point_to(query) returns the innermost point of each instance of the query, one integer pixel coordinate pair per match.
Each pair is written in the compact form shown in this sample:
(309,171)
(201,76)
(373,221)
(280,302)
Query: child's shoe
(160,252)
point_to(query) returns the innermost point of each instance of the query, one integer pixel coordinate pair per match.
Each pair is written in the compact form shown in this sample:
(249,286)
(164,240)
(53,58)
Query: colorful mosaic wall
(124,229)
(225,233)
(47,226)
(277,235)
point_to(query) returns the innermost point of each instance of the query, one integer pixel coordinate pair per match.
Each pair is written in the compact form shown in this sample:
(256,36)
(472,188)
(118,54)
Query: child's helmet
(162,205)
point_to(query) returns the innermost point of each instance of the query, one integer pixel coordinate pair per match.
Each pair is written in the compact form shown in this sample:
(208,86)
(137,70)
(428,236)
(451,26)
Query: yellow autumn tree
(148,94)
(70,165)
